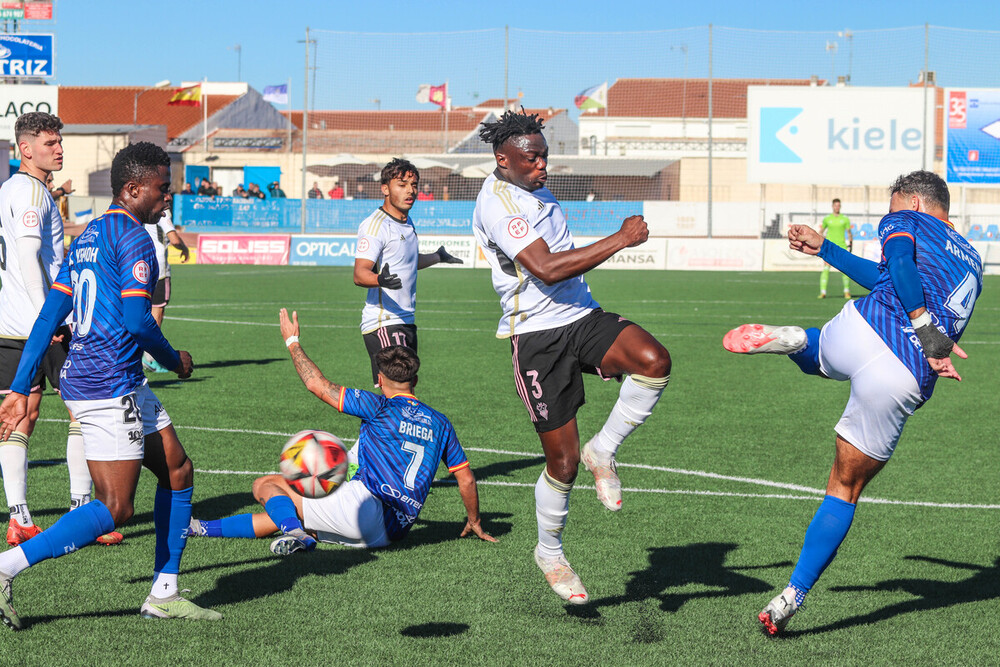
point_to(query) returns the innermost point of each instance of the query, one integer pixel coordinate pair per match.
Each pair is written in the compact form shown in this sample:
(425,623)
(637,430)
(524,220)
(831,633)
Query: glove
(447,258)
(388,280)
(935,344)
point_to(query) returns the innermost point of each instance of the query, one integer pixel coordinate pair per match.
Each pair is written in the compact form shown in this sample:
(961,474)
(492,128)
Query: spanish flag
(189,97)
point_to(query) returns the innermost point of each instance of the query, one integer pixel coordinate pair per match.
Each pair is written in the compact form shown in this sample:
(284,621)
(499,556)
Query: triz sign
(27,55)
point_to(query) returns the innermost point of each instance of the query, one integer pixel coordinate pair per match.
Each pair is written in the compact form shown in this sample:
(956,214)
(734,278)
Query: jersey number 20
(84,296)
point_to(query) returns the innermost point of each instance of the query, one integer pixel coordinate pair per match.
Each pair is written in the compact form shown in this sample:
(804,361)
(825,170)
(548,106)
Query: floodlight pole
(926,60)
(305,130)
(709,130)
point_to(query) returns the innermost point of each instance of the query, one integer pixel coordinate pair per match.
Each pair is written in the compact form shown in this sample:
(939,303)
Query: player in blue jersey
(402,440)
(106,282)
(892,345)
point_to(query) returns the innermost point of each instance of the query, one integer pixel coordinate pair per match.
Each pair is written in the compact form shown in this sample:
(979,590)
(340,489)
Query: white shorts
(114,428)
(884,392)
(350,516)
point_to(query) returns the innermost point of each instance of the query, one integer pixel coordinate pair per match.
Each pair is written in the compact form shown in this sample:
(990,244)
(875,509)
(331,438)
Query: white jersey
(26,210)
(387,241)
(158,233)
(507,220)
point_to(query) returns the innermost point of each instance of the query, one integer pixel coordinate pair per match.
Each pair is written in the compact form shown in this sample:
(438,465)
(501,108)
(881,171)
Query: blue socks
(171,517)
(72,531)
(823,537)
(281,509)
(807,359)
(240,525)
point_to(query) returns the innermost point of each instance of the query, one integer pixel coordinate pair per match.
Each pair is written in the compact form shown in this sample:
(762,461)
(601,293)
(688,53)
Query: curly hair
(136,162)
(927,184)
(34,123)
(398,168)
(398,363)
(510,124)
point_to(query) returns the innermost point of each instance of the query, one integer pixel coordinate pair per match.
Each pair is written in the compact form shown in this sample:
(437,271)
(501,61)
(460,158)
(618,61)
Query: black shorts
(161,293)
(549,365)
(52,362)
(394,334)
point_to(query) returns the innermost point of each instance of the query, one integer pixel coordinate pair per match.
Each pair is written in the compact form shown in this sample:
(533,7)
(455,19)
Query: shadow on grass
(238,362)
(434,630)
(505,468)
(684,567)
(984,584)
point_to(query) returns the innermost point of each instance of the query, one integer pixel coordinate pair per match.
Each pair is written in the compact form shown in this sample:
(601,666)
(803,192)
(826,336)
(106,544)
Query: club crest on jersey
(543,410)
(363,244)
(140,271)
(415,415)
(517,228)
(90,234)
(29,219)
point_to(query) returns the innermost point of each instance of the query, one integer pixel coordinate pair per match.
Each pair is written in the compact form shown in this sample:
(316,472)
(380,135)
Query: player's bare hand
(67,187)
(944,368)
(184,369)
(477,529)
(58,338)
(635,230)
(185,254)
(12,411)
(805,239)
(289,327)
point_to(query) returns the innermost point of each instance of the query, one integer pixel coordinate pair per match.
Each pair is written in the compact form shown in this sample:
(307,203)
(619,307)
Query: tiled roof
(677,98)
(86,105)
(460,119)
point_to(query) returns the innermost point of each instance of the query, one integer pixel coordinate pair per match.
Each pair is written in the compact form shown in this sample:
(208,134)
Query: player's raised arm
(312,377)
(470,497)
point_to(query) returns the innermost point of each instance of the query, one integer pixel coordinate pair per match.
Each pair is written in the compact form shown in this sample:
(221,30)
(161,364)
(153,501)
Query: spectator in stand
(591,195)
(336,192)
(206,189)
(360,191)
(425,193)
(444,193)
(217,188)
(315,192)
(187,189)
(274,189)
(239,191)
(253,192)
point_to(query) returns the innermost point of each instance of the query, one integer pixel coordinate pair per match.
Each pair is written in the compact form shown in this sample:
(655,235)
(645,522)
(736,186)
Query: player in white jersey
(162,232)
(31,252)
(387,239)
(557,331)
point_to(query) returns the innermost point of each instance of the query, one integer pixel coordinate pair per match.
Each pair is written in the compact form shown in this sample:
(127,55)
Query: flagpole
(305,130)
(444,146)
(288,103)
(606,101)
(204,115)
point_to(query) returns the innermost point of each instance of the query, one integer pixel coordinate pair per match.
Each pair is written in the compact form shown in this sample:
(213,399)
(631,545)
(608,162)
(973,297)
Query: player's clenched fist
(805,239)
(635,229)
(186,366)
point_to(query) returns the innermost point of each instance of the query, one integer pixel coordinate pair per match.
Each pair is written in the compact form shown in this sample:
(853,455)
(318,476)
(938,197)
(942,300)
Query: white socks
(79,473)
(164,585)
(551,509)
(14,464)
(636,400)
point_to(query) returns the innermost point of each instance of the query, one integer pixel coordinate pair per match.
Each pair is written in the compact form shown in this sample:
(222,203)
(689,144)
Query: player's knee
(565,470)
(121,509)
(655,362)
(182,477)
(261,487)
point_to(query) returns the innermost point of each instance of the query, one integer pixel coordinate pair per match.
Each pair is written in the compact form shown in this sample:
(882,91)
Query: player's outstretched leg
(764,338)
(779,611)
(7,613)
(551,510)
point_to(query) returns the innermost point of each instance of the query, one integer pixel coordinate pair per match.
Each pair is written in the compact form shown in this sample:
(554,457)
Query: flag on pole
(276,94)
(436,94)
(190,97)
(593,98)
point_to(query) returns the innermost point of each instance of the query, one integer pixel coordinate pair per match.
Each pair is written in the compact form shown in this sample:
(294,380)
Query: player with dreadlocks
(557,331)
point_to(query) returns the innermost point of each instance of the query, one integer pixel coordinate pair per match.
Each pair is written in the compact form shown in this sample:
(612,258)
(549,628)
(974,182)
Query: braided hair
(510,124)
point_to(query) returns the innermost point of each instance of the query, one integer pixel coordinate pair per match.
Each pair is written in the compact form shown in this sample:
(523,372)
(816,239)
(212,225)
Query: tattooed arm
(312,377)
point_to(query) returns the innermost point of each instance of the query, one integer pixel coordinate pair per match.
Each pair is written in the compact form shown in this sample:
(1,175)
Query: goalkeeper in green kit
(837,230)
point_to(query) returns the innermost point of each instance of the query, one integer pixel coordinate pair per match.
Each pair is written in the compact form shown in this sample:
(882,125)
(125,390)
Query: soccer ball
(314,463)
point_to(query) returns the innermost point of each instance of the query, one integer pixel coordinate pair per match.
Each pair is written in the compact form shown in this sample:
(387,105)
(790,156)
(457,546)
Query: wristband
(290,340)
(921,320)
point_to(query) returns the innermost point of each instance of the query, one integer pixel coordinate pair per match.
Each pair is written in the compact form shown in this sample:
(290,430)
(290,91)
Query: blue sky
(104,42)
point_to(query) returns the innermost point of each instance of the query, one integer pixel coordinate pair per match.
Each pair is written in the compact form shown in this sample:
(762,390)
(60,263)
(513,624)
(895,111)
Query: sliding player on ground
(402,441)
(106,282)
(557,331)
(892,345)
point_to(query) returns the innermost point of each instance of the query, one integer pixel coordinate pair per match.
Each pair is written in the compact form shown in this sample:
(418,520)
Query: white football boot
(563,580)
(758,338)
(778,612)
(609,487)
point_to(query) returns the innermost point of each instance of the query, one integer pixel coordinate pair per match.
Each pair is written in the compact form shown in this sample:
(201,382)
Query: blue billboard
(23,55)
(322,250)
(973,135)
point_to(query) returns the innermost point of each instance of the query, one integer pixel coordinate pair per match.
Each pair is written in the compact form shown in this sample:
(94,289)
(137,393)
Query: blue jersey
(401,442)
(951,276)
(113,259)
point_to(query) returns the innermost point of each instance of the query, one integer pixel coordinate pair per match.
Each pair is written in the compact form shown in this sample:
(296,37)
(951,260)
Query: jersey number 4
(961,301)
